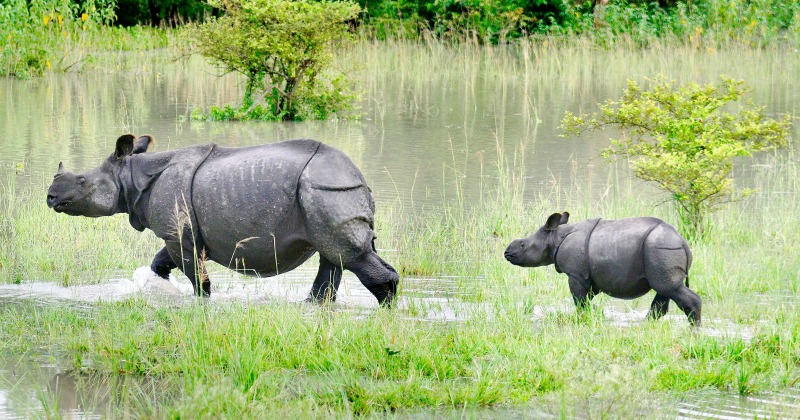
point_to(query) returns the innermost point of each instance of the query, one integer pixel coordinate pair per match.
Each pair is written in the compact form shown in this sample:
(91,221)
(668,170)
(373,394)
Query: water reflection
(436,123)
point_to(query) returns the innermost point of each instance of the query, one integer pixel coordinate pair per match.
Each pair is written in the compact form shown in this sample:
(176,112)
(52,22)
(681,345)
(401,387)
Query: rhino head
(537,249)
(96,192)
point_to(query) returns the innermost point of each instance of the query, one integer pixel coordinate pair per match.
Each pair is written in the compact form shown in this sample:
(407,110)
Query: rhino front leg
(193,266)
(659,307)
(326,283)
(162,263)
(582,292)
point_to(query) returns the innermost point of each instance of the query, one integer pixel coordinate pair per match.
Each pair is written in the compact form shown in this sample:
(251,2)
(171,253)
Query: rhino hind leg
(377,276)
(326,283)
(690,304)
(659,307)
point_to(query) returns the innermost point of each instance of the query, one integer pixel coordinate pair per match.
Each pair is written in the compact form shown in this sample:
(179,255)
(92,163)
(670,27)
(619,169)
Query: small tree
(682,139)
(284,49)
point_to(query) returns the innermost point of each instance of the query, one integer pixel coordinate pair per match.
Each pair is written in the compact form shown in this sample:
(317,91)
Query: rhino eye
(81,180)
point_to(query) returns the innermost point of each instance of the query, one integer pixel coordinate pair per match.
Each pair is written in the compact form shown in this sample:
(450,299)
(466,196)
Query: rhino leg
(689,302)
(666,269)
(377,276)
(659,307)
(162,263)
(582,292)
(326,283)
(193,266)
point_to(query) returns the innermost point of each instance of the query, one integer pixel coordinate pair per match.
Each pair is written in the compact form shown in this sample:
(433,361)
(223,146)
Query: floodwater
(435,125)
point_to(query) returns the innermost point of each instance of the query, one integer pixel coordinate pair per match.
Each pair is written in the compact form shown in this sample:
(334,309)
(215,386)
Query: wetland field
(461,147)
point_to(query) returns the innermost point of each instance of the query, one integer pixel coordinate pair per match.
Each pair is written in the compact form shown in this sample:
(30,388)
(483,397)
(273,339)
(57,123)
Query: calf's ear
(552,222)
(143,144)
(61,169)
(124,146)
(564,218)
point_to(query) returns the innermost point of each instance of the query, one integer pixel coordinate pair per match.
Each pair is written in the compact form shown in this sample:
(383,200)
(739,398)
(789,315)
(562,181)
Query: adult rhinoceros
(262,210)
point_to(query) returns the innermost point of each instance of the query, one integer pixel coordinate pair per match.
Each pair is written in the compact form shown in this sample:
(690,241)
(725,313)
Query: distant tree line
(497,20)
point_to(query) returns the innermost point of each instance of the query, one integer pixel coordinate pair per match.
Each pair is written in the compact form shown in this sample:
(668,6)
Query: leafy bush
(284,50)
(682,139)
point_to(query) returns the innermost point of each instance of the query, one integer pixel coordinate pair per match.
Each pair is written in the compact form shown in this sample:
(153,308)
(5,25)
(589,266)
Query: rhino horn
(61,169)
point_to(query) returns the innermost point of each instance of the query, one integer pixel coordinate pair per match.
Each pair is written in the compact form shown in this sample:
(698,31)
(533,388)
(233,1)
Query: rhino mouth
(512,258)
(58,205)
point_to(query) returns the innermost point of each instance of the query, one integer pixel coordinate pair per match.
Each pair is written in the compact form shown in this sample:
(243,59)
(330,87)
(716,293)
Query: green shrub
(682,139)
(284,49)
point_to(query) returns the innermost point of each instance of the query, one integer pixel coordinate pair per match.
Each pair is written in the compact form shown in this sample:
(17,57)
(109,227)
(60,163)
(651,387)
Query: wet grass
(287,359)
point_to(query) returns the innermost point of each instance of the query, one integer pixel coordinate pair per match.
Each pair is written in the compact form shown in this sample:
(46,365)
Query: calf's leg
(193,266)
(689,302)
(582,292)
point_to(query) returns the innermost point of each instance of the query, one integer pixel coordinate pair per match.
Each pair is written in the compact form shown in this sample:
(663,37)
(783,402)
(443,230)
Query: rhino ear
(553,221)
(124,146)
(143,144)
(564,218)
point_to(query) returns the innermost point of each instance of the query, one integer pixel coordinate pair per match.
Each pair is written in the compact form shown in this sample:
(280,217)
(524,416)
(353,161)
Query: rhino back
(245,200)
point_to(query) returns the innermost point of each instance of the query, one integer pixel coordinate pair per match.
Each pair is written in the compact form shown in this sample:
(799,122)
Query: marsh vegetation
(460,145)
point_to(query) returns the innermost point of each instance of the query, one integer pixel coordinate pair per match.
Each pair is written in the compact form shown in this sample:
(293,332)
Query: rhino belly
(247,210)
(616,261)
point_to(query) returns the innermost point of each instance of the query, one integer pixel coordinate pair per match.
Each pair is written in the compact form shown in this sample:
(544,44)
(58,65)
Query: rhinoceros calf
(622,258)
(261,210)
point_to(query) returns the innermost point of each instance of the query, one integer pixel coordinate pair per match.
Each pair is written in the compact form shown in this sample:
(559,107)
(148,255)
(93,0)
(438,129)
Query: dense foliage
(284,49)
(682,139)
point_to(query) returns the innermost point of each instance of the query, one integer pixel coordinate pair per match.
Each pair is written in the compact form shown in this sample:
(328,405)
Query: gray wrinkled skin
(260,210)
(623,258)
